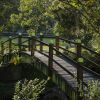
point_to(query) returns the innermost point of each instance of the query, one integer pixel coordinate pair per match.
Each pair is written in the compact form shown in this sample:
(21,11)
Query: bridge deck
(67,65)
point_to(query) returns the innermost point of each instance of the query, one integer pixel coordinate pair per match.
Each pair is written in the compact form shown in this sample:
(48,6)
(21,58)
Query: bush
(91,92)
(29,90)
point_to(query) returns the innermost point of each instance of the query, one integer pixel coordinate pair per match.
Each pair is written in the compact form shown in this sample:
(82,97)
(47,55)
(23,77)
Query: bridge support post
(19,41)
(32,45)
(79,69)
(10,44)
(50,60)
(57,44)
(2,48)
(29,43)
(41,45)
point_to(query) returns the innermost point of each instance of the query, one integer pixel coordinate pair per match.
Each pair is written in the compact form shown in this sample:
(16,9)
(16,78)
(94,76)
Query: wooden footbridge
(65,67)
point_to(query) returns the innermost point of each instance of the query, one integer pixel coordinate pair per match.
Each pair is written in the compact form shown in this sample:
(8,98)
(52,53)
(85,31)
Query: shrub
(29,90)
(91,92)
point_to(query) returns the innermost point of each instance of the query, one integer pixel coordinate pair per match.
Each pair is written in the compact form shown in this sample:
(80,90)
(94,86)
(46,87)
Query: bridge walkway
(65,71)
(66,65)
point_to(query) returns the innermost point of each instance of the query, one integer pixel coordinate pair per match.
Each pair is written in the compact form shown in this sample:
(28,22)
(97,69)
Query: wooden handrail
(75,43)
(67,50)
(68,41)
(42,42)
(54,37)
(58,64)
(32,41)
(24,41)
(90,61)
(77,64)
(90,50)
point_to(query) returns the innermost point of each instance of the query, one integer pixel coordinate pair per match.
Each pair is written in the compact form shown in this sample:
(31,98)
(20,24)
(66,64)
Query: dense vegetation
(32,88)
(68,18)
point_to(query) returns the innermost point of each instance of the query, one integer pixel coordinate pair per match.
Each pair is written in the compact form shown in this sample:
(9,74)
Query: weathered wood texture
(69,82)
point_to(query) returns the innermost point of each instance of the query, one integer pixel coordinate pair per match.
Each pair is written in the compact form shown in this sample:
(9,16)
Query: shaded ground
(27,71)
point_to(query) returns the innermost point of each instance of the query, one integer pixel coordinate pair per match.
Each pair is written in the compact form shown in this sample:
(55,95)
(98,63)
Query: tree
(31,16)
(76,17)
(6,9)
(68,18)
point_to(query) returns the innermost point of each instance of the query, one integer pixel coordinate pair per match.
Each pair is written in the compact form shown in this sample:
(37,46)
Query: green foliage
(91,92)
(15,58)
(95,42)
(30,16)
(58,29)
(31,32)
(1,28)
(29,90)
(76,18)
(6,9)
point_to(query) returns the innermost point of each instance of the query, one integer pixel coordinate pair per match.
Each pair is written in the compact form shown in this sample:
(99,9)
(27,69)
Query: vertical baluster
(79,68)
(57,44)
(29,43)
(10,48)
(32,45)
(2,48)
(10,44)
(19,41)
(50,60)
(41,45)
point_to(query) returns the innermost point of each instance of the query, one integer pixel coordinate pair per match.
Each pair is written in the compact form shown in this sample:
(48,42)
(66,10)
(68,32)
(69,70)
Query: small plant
(29,90)
(15,59)
(91,92)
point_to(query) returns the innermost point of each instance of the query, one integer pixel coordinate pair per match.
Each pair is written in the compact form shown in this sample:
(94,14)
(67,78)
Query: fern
(29,90)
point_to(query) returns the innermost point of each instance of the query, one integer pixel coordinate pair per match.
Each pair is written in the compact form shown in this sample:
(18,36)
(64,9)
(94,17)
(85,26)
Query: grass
(3,38)
(46,40)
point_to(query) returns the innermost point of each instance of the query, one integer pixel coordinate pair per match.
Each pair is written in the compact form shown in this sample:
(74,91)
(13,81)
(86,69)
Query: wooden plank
(72,81)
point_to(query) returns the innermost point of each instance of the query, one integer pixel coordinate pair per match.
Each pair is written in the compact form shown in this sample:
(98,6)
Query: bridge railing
(78,53)
(51,60)
(32,42)
(53,49)
(39,42)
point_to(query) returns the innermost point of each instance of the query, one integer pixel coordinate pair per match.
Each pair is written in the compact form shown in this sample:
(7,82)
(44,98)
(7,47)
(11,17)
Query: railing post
(2,48)
(79,68)
(41,45)
(57,44)
(29,43)
(32,45)
(19,41)
(10,44)
(50,60)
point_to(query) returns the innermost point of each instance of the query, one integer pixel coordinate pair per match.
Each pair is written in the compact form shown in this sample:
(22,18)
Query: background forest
(69,18)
